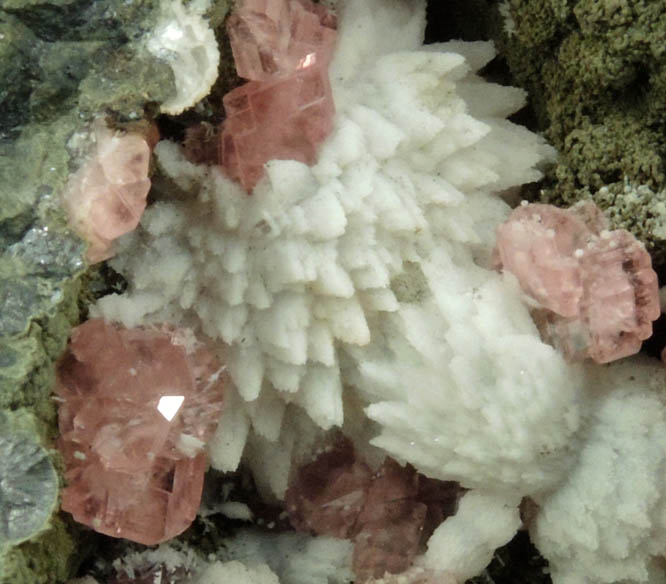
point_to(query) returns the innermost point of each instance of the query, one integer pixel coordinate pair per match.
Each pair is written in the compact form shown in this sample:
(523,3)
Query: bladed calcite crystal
(107,196)
(596,289)
(388,514)
(286,110)
(136,408)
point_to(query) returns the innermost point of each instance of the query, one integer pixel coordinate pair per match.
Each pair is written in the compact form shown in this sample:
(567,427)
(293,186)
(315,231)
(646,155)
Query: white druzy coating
(607,522)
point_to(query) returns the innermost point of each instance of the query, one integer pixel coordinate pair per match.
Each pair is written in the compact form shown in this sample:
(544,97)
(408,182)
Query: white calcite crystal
(358,293)
(186,42)
(238,573)
(464,544)
(297,558)
(607,522)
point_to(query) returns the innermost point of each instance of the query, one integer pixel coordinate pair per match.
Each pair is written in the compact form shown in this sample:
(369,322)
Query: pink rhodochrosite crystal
(107,196)
(272,38)
(597,290)
(329,493)
(388,514)
(136,407)
(286,110)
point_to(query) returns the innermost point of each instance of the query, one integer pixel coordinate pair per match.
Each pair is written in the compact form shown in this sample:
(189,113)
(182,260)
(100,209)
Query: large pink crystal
(136,407)
(389,514)
(597,290)
(107,196)
(286,110)
(272,38)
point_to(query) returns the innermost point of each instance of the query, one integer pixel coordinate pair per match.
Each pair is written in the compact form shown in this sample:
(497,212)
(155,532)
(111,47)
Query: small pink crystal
(597,289)
(329,493)
(286,110)
(136,406)
(107,196)
(389,515)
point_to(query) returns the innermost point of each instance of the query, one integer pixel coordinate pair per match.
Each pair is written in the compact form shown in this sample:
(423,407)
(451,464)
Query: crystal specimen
(385,513)
(107,196)
(286,110)
(596,288)
(136,407)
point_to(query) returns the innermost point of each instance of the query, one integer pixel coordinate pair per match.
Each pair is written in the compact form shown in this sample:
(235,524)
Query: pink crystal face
(329,493)
(392,523)
(389,515)
(135,410)
(286,110)
(597,288)
(273,38)
(107,196)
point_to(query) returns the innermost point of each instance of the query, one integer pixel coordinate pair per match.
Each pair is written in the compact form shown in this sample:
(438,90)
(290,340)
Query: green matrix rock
(596,74)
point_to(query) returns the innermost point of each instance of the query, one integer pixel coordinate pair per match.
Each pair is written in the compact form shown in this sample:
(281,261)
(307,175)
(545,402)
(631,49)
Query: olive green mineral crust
(596,75)
(49,558)
(63,62)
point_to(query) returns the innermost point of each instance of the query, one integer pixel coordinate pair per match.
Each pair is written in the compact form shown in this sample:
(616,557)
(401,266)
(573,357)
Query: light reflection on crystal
(286,110)
(169,405)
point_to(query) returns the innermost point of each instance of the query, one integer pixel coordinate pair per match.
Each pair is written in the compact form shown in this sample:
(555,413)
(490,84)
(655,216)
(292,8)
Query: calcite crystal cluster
(136,407)
(286,110)
(596,289)
(107,196)
(388,514)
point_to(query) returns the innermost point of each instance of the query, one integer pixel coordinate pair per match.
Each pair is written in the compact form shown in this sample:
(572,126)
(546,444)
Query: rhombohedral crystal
(136,408)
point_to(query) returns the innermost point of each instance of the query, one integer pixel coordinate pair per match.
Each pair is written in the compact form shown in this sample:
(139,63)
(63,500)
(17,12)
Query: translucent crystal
(597,290)
(107,196)
(388,515)
(136,408)
(272,38)
(285,119)
(286,110)
(329,493)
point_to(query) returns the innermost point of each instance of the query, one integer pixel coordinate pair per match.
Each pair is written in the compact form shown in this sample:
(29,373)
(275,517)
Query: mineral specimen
(597,288)
(136,407)
(106,197)
(286,110)
(384,513)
